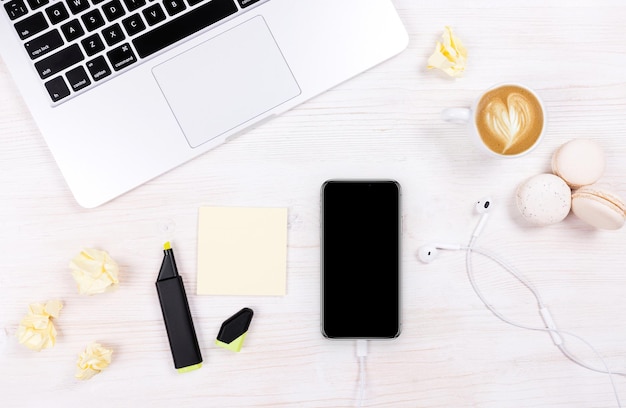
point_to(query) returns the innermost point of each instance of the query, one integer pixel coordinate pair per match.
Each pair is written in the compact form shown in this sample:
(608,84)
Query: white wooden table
(385,123)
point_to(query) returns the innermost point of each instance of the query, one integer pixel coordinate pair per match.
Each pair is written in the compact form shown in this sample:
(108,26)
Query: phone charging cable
(361,354)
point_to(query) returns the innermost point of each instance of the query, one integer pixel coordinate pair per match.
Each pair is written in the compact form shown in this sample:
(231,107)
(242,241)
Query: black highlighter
(177,316)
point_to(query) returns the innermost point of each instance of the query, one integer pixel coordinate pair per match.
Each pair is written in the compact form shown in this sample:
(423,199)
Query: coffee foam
(509,119)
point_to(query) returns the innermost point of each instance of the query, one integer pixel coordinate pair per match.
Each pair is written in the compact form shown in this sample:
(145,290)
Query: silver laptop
(125,90)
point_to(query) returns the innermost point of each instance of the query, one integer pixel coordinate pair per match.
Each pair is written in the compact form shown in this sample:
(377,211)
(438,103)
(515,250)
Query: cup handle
(456,115)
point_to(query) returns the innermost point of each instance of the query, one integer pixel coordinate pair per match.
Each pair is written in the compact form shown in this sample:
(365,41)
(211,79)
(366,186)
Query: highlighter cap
(234,329)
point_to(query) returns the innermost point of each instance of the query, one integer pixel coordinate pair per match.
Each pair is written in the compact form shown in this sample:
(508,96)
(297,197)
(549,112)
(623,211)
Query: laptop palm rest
(220,84)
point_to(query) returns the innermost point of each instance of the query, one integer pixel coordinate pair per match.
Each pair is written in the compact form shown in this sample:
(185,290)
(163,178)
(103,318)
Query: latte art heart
(509,119)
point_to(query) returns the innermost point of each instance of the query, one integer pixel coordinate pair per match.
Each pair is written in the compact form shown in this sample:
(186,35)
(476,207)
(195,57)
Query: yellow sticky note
(242,251)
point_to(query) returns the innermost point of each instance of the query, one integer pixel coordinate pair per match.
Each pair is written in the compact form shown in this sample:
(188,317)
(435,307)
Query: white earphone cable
(550,326)
(608,371)
(571,357)
(510,269)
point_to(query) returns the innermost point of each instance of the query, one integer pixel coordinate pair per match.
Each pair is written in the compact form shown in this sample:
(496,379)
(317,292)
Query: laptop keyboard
(76,44)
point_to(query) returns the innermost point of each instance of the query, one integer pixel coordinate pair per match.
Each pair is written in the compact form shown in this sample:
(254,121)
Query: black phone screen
(360,255)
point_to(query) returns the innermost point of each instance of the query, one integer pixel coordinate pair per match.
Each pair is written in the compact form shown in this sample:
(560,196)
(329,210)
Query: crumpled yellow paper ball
(36,330)
(94,271)
(450,55)
(92,361)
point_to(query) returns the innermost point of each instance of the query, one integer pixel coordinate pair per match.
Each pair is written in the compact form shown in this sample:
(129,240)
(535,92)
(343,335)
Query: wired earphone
(428,253)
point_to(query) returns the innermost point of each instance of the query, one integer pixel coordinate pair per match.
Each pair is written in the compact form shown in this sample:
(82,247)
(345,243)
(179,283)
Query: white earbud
(483,207)
(428,253)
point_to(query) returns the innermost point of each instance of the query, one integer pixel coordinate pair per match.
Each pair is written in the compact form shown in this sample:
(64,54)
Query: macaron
(599,208)
(544,199)
(579,162)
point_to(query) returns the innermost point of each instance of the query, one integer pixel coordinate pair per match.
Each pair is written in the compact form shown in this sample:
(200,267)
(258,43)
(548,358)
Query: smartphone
(360,259)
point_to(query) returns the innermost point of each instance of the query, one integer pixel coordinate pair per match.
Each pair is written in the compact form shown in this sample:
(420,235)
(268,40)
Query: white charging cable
(361,354)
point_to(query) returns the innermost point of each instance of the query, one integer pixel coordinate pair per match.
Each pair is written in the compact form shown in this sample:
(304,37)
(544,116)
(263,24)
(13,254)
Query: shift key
(59,61)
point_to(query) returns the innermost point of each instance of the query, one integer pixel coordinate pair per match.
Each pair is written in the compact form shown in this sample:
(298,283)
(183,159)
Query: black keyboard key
(154,14)
(133,5)
(72,30)
(16,9)
(31,25)
(174,6)
(35,4)
(121,57)
(59,61)
(57,89)
(43,44)
(134,24)
(77,6)
(78,78)
(246,3)
(98,68)
(92,44)
(183,26)
(194,2)
(96,2)
(113,10)
(113,35)
(93,20)
(57,13)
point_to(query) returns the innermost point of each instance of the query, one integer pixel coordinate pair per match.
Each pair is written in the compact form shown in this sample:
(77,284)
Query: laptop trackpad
(226,81)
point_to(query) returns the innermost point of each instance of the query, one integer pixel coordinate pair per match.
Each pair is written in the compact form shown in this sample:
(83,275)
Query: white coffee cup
(507,120)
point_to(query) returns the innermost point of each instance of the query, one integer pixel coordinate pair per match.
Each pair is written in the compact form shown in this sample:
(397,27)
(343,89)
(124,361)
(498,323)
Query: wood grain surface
(384,123)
